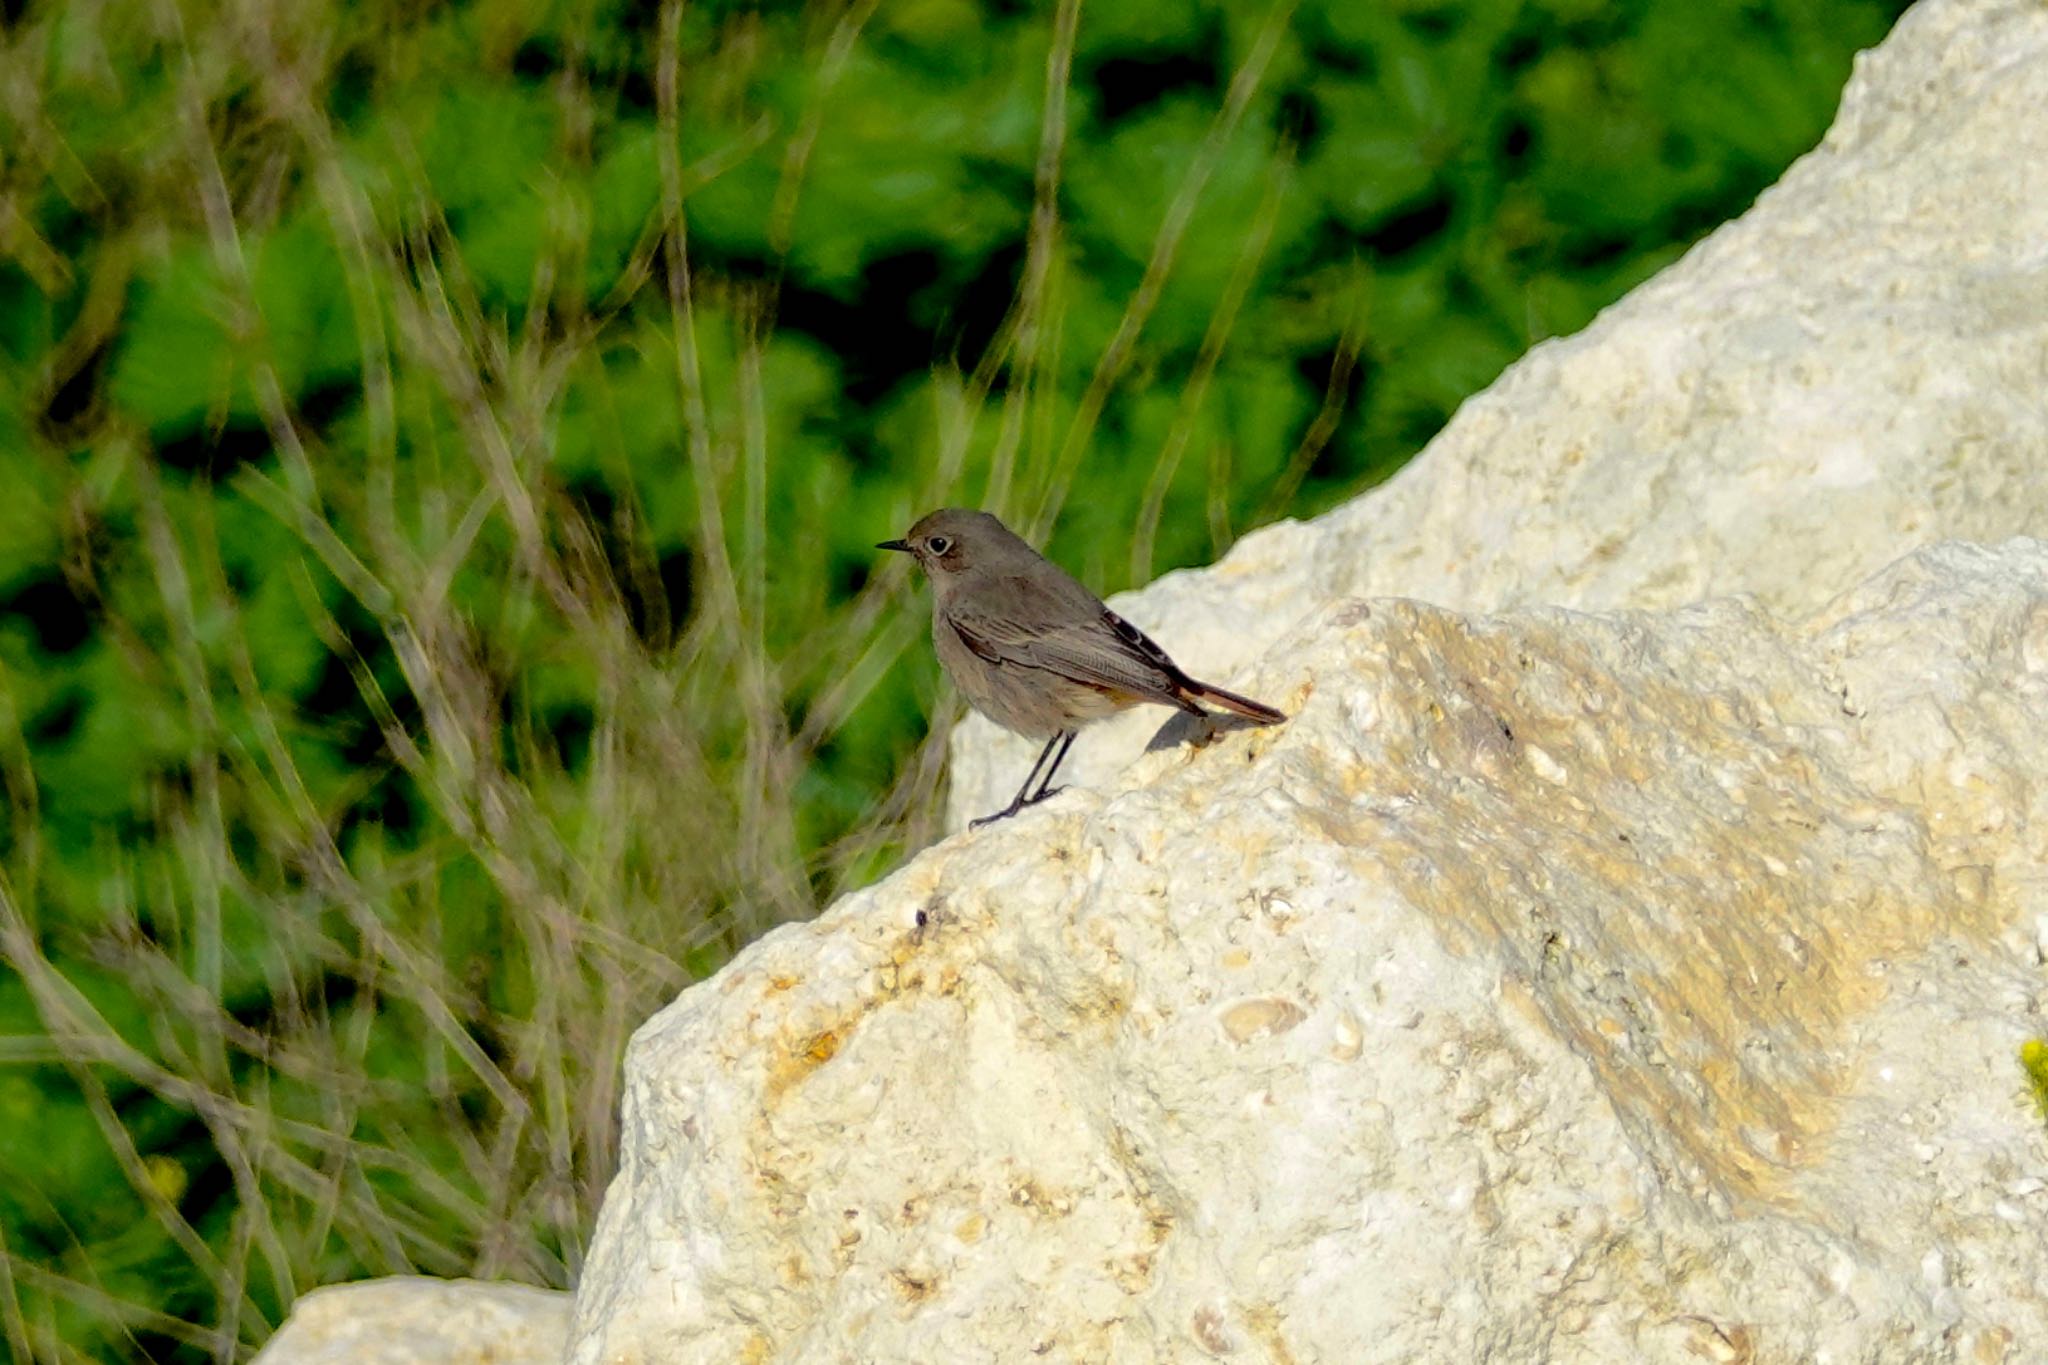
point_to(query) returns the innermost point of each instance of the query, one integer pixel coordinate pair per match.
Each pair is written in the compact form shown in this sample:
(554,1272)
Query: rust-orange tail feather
(1255,711)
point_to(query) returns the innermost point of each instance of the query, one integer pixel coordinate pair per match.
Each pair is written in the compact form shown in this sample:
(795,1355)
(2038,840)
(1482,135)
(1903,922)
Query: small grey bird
(1036,652)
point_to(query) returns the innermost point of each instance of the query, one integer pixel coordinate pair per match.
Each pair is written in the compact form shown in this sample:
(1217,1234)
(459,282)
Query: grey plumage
(1035,651)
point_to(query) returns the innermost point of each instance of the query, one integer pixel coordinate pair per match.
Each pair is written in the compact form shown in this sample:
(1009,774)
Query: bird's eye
(938,545)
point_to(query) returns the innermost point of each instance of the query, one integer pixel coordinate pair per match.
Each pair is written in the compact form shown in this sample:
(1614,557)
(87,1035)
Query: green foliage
(2034,1061)
(435,625)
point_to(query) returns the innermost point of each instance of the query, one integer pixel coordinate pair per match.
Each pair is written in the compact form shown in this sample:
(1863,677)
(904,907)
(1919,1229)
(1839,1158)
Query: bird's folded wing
(1106,652)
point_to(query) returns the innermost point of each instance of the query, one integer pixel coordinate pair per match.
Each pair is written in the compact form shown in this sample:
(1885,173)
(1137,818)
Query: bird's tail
(1255,711)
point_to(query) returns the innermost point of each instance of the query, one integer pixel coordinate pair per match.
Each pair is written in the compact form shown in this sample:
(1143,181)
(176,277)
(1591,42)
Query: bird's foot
(1019,804)
(1005,813)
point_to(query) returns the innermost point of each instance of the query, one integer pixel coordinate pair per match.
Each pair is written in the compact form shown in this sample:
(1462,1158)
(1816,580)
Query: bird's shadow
(1185,727)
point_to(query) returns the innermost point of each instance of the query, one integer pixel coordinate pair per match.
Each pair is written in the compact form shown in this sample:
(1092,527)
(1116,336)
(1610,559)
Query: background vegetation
(441,447)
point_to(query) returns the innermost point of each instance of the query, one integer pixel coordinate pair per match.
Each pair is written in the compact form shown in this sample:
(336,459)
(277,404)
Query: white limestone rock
(419,1320)
(1853,369)
(1581,975)
(1630,986)
(1633,986)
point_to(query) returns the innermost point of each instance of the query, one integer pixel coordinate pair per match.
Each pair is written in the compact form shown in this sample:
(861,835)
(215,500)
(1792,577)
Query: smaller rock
(419,1320)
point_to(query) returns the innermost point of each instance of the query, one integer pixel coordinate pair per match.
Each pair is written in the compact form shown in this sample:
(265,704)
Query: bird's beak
(902,545)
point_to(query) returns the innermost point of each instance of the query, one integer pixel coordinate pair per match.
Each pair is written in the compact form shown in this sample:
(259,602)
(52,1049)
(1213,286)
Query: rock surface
(1554,987)
(417,1320)
(1636,982)
(1851,370)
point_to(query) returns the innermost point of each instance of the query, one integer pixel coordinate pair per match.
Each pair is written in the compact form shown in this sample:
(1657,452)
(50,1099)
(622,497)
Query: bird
(1034,650)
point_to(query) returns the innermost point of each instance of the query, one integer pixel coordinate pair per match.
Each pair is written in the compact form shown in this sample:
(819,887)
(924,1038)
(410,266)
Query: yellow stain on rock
(911,966)
(1709,987)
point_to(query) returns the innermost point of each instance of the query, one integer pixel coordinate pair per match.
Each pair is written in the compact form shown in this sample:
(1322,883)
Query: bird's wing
(1140,644)
(1102,650)
(978,639)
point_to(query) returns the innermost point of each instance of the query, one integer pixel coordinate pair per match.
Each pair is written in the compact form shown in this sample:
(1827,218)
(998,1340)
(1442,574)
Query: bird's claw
(1019,804)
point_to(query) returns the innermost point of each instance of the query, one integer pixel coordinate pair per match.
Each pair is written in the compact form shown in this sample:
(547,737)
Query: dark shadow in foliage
(979,306)
(1434,24)
(1692,219)
(390,805)
(322,403)
(1330,242)
(570,725)
(1317,368)
(1517,144)
(537,60)
(1132,80)
(655,609)
(74,401)
(636,93)
(350,83)
(1590,252)
(1518,50)
(1411,225)
(886,333)
(21,341)
(677,571)
(213,454)
(335,703)
(877,334)
(32,1232)
(1329,57)
(1418,421)
(639,38)
(60,618)
(59,720)
(159,1348)
(850,575)
(1298,121)
(338,713)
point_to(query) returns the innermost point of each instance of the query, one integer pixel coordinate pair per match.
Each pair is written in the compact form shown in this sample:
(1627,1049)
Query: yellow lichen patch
(1991,1346)
(809,1052)
(890,980)
(1264,1321)
(1697,910)
(2034,1061)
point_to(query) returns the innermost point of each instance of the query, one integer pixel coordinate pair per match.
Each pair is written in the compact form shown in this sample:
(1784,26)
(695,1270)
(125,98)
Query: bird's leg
(1045,786)
(1019,802)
